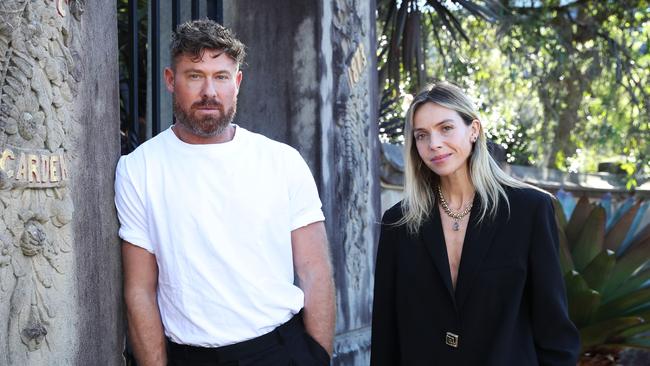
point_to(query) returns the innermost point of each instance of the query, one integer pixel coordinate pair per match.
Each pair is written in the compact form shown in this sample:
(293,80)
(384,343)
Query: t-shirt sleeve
(130,207)
(305,205)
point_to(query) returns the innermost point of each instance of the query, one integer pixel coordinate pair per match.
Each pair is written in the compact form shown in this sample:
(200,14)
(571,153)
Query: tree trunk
(567,117)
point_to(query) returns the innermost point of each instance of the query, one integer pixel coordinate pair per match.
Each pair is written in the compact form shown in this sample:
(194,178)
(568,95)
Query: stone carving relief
(38,84)
(76,7)
(352,120)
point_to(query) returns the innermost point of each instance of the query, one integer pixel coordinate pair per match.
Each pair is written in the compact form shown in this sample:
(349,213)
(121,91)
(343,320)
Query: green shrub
(607,274)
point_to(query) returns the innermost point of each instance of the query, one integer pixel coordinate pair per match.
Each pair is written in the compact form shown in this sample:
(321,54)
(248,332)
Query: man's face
(204,92)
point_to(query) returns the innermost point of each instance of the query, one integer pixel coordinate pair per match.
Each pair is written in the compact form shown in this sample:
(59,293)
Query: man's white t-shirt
(218,218)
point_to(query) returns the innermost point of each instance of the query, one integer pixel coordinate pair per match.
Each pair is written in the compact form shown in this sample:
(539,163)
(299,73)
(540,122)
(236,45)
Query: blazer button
(451,339)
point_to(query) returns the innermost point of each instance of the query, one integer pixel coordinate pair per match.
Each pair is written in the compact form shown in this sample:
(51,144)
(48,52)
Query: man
(215,220)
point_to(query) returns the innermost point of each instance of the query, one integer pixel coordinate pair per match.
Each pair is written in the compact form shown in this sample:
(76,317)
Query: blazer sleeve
(557,341)
(384,348)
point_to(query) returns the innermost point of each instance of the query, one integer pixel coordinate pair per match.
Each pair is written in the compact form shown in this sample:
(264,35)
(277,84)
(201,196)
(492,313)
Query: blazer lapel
(433,240)
(478,239)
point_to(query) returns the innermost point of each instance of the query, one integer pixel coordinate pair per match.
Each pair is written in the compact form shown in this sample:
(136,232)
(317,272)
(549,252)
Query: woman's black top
(509,306)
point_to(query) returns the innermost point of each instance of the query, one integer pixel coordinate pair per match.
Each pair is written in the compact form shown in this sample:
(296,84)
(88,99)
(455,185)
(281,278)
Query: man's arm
(145,327)
(312,264)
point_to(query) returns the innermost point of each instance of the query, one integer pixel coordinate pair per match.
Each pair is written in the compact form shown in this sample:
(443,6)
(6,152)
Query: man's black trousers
(287,345)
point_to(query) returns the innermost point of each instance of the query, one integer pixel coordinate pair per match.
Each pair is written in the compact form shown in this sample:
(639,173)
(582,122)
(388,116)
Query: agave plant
(606,260)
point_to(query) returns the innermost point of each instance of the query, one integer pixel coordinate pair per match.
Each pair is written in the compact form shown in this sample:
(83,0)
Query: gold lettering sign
(34,168)
(34,174)
(357,65)
(54,174)
(7,155)
(21,172)
(45,165)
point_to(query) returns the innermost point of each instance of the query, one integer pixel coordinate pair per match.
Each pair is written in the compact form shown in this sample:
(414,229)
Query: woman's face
(443,140)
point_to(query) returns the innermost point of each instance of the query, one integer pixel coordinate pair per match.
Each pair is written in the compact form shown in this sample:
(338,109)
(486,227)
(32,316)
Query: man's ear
(238,79)
(169,79)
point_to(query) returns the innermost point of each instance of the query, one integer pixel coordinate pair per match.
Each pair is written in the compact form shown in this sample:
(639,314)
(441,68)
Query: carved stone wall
(39,83)
(42,73)
(355,198)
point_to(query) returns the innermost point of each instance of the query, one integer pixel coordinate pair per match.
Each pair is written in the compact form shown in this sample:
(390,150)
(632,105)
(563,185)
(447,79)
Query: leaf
(15,84)
(631,284)
(566,261)
(55,133)
(598,333)
(6,279)
(634,330)
(575,283)
(576,222)
(420,45)
(583,301)
(411,41)
(45,301)
(635,235)
(478,10)
(560,218)
(606,203)
(644,312)
(391,5)
(643,343)
(598,270)
(43,89)
(567,202)
(583,306)
(622,209)
(617,233)
(394,55)
(634,257)
(445,17)
(18,74)
(590,241)
(43,272)
(625,305)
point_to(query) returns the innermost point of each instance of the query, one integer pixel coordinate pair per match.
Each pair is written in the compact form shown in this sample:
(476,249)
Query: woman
(467,265)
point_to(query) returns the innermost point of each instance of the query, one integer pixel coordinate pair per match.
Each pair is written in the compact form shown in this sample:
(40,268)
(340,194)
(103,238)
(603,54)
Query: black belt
(238,350)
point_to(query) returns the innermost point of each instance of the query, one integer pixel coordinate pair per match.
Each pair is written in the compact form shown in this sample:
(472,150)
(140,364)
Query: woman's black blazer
(509,306)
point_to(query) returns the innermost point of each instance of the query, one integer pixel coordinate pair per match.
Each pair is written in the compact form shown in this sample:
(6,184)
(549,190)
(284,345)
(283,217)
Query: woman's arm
(556,339)
(384,349)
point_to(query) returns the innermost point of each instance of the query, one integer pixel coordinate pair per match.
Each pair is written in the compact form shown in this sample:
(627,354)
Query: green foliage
(606,274)
(560,84)
(590,73)
(403,39)
(404,29)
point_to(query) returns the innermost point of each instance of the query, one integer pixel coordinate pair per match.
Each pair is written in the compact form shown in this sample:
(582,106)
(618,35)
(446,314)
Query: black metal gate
(144,28)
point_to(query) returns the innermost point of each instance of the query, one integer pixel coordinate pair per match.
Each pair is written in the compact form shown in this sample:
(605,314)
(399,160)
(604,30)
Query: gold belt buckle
(451,339)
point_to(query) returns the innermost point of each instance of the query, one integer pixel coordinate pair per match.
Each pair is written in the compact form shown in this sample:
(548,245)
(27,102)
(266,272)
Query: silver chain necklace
(457,216)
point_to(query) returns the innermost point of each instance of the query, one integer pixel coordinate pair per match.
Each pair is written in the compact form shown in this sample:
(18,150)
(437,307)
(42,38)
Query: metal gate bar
(135,132)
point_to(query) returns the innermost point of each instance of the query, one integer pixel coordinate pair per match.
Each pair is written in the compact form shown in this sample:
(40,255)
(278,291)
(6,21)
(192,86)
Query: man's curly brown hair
(194,37)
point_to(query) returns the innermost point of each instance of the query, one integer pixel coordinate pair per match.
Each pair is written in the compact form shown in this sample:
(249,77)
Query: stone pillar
(311,82)
(352,194)
(60,284)
(280,93)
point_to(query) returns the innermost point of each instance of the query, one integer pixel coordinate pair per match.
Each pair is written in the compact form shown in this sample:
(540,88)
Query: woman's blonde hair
(420,182)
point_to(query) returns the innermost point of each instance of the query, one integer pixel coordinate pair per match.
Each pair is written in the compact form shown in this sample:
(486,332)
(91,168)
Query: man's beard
(207,126)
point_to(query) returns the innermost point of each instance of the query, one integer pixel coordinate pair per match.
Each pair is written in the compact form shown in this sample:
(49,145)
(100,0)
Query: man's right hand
(145,327)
